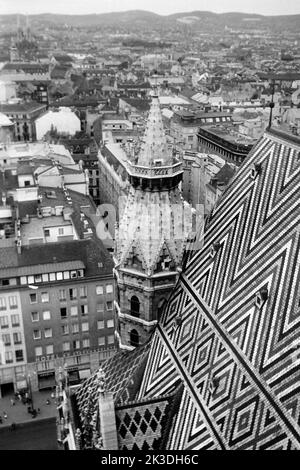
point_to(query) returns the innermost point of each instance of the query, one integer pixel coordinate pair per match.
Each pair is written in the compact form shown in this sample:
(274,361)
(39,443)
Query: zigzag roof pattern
(235,347)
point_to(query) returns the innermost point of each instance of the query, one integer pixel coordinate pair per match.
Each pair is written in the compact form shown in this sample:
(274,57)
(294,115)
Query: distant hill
(138,18)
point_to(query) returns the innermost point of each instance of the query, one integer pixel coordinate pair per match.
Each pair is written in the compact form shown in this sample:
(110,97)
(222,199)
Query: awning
(46,381)
(84,374)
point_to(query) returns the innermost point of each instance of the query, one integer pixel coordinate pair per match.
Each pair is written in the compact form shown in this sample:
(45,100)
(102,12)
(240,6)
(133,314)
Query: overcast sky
(164,7)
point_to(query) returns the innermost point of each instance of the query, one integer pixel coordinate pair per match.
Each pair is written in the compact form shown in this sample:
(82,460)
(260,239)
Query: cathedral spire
(155,150)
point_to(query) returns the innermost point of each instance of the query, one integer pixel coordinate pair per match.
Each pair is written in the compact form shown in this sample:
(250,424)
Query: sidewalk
(19,414)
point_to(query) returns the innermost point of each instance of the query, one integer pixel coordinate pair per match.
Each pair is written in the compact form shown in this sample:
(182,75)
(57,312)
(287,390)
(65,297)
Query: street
(34,435)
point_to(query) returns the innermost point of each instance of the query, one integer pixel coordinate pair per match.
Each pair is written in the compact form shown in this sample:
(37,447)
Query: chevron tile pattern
(235,345)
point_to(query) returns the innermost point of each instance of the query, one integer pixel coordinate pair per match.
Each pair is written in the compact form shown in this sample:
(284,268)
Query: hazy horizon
(73,7)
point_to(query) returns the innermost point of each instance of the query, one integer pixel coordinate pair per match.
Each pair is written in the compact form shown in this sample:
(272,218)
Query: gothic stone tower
(151,235)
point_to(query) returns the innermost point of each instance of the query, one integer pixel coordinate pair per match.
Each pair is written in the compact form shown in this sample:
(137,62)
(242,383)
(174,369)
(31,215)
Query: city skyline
(267,8)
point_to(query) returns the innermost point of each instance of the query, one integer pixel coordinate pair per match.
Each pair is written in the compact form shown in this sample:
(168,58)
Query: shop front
(46,380)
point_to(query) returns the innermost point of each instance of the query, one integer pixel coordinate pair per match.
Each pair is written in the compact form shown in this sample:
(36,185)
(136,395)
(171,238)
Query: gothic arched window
(135,306)
(134,338)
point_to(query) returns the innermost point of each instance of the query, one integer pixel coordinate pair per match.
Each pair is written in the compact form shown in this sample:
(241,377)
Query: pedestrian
(47,401)
(52,395)
(5,415)
(12,402)
(38,411)
(13,426)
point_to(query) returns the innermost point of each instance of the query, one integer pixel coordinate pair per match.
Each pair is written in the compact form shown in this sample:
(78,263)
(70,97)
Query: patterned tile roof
(236,345)
(145,425)
(119,371)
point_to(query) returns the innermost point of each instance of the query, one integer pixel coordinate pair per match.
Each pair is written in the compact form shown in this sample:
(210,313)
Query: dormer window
(261,297)
(255,171)
(214,249)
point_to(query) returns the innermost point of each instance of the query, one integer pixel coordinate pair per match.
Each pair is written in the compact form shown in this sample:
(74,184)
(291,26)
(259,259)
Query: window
(85,326)
(45,277)
(110,339)
(38,351)
(47,232)
(9,357)
(38,278)
(2,303)
(46,315)
(52,277)
(75,328)
(100,324)
(17,338)
(19,355)
(109,289)
(59,276)
(45,297)
(83,291)
(76,344)
(13,302)
(66,346)
(134,338)
(23,280)
(37,334)
(65,329)
(15,320)
(63,312)
(66,274)
(4,321)
(60,231)
(74,310)
(48,332)
(100,307)
(62,295)
(6,340)
(110,323)
(49,349)
(135,306)
(109,305)
(86,343)
(101,341)
(99,290)
(73,274)
(73,293)
(84,309)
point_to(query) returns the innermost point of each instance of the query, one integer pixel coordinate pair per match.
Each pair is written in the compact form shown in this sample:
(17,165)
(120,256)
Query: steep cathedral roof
(230,333)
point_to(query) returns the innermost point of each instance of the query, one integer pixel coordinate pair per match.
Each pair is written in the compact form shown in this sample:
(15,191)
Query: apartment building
(56,286)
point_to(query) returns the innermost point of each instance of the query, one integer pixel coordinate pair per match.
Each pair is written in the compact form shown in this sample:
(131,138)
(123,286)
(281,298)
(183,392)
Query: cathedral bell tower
(151,235)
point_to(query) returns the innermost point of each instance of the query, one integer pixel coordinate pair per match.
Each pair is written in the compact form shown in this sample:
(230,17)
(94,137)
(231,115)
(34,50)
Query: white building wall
(11,372)
(64,120)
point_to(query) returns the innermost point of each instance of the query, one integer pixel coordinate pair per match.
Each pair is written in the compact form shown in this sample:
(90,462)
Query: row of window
(9,357)
(50,277)
(75,345)
(73,292)
(12,302)
(17,339)
(4,321)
